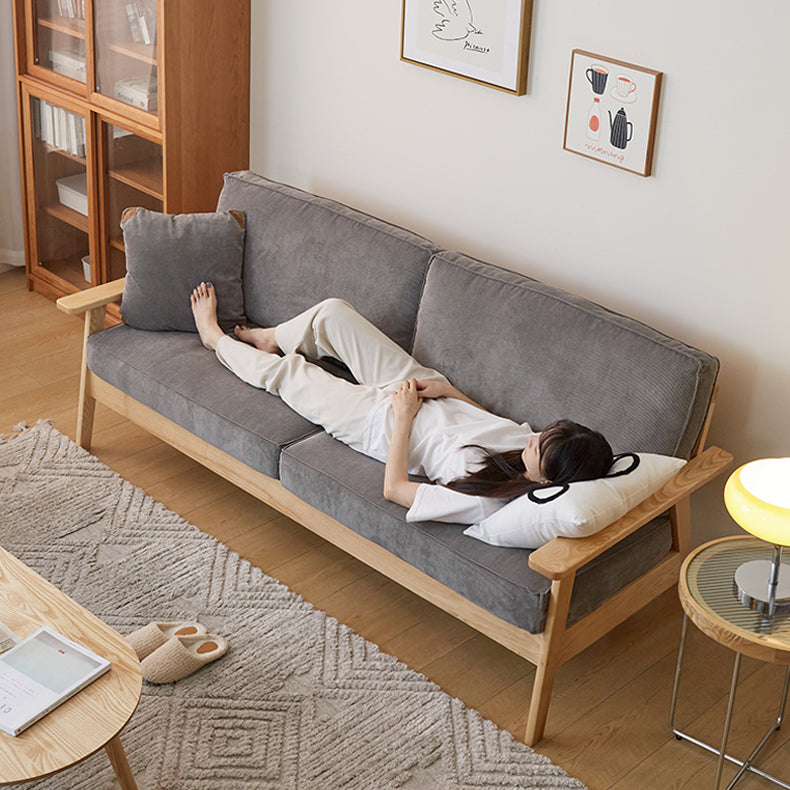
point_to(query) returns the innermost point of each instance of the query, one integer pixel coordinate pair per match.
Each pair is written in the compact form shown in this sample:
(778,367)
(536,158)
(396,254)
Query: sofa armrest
(90,298)
(563,556)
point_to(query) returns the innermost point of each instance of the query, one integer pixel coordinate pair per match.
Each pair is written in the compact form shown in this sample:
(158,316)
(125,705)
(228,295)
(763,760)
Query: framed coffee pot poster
(611,112)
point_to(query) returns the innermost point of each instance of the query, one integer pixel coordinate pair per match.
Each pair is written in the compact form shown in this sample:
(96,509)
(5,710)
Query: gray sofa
(521,348)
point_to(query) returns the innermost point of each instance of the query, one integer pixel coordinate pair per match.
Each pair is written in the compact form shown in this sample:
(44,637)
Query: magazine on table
(40,673)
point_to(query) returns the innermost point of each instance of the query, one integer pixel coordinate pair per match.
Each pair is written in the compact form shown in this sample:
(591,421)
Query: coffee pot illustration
(621,130)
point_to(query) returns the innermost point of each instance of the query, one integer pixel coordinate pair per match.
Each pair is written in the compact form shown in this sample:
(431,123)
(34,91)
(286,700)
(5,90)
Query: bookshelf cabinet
(123,103)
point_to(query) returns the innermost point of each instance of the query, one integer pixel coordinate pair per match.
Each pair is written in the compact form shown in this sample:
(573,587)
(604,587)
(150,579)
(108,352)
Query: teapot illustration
(621,129)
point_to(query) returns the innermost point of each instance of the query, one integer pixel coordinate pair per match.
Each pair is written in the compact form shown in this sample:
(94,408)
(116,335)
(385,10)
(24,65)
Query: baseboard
(10,259)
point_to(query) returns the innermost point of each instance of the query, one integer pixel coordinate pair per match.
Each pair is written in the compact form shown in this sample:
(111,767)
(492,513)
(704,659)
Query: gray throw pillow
(168,255)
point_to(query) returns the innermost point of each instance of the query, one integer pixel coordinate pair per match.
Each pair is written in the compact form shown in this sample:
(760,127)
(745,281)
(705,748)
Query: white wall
(12,240)
(699,250)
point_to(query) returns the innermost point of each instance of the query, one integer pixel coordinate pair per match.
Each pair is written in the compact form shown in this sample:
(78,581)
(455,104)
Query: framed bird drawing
(484,41)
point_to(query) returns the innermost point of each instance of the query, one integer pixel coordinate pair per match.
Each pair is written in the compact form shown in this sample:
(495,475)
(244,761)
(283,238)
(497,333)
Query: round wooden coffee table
(92,718)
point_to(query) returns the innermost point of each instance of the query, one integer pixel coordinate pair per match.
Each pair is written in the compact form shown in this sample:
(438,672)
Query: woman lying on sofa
(402,413)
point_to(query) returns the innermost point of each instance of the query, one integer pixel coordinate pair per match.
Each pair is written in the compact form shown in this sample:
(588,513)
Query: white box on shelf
(69,62)
(73,192)
(86,268)
(137,91)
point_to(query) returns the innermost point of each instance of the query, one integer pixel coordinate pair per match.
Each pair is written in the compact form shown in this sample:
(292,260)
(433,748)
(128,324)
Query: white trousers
(331,328)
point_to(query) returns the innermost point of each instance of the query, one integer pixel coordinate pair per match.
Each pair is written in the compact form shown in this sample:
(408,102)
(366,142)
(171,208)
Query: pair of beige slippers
(171,651)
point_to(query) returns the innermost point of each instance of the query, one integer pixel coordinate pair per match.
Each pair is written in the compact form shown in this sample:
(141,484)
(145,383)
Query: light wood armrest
(98,296)
(563,556)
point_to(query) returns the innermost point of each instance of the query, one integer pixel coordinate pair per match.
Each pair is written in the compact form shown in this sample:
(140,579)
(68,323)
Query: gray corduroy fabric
(348,487)
(300,249)
(167,255)
(541,354)
(173,374)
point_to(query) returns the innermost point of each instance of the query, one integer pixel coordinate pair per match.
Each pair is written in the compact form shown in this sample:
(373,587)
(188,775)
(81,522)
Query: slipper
(181,656)
(148,638)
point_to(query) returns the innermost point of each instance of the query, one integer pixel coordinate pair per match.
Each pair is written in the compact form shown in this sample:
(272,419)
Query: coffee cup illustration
(597,76)
(624,86)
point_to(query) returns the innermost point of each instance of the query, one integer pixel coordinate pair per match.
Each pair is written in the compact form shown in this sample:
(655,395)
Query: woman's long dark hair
(569,452)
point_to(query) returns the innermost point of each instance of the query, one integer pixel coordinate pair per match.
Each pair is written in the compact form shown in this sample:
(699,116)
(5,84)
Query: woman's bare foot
(204,308)
(260,337)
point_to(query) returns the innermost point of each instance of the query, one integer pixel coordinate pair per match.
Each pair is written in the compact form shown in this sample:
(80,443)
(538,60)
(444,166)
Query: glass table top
(710,579)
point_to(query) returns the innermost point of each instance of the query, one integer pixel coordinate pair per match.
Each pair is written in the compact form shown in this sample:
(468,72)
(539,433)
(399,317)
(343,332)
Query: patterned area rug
(299,701)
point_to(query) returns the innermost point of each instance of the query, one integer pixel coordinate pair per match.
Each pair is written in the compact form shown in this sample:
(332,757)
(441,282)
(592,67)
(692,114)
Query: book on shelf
(69,61)
(72,9)
(138,91)
(61,128)
(141,15)
(40,673)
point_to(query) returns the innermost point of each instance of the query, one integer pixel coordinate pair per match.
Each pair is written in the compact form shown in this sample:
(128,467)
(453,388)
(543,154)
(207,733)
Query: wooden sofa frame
(558,560)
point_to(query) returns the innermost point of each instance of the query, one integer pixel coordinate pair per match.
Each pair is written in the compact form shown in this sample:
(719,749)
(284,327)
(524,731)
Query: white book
(80,136)
(71,125)
(134,27)
(144,34)
(56,115)
(39,674)
(47,123)
(58,126)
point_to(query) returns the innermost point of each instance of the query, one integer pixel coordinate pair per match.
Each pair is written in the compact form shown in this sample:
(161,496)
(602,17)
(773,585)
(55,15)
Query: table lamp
(757,496)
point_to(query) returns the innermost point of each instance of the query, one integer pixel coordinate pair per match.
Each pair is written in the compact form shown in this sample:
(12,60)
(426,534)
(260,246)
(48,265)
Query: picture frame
(611,111)
(477,40)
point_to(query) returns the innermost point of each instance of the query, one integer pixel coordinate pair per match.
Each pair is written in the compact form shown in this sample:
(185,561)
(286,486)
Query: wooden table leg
(120,764)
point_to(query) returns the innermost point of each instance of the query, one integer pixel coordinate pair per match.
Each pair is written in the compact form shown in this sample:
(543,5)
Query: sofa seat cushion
(348,486)
(173,374)
(306,248)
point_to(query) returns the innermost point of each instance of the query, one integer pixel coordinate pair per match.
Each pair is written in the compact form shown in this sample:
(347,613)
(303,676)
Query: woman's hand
(406,402)
(432,388)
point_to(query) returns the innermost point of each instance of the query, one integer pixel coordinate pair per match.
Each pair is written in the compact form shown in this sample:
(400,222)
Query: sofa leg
(86,409)
(550,659)
(94,322)
(539,705)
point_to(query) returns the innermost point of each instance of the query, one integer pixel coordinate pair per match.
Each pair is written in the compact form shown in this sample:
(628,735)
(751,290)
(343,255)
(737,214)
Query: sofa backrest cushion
(300,249)
(535,353)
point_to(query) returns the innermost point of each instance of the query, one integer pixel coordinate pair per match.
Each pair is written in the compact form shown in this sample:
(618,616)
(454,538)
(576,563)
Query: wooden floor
(608,719)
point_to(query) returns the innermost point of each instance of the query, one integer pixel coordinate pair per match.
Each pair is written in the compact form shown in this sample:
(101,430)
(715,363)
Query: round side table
(709,600)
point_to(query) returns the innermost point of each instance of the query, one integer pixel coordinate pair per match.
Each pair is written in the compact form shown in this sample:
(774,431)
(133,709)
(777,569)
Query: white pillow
(585,508)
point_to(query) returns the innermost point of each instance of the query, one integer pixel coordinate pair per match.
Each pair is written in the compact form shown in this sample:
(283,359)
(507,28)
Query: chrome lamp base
(764,586)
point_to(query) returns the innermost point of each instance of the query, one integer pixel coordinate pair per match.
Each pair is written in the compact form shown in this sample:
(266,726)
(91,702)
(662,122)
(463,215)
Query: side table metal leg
(747,765)
(120,764)
(727,719)
(676,683)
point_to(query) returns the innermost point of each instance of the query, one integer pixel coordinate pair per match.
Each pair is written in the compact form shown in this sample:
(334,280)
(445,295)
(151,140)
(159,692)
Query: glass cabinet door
(59,37)
(57,138)
(126,52)
(133,177)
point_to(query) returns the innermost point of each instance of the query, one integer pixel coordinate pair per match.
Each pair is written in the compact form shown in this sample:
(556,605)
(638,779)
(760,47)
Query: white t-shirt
(437,450)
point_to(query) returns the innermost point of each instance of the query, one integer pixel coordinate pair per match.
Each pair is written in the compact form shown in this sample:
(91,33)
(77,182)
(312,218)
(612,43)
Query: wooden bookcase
(123,103)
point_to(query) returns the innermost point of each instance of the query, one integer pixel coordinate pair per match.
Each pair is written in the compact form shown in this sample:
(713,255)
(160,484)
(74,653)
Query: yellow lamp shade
(757,496)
